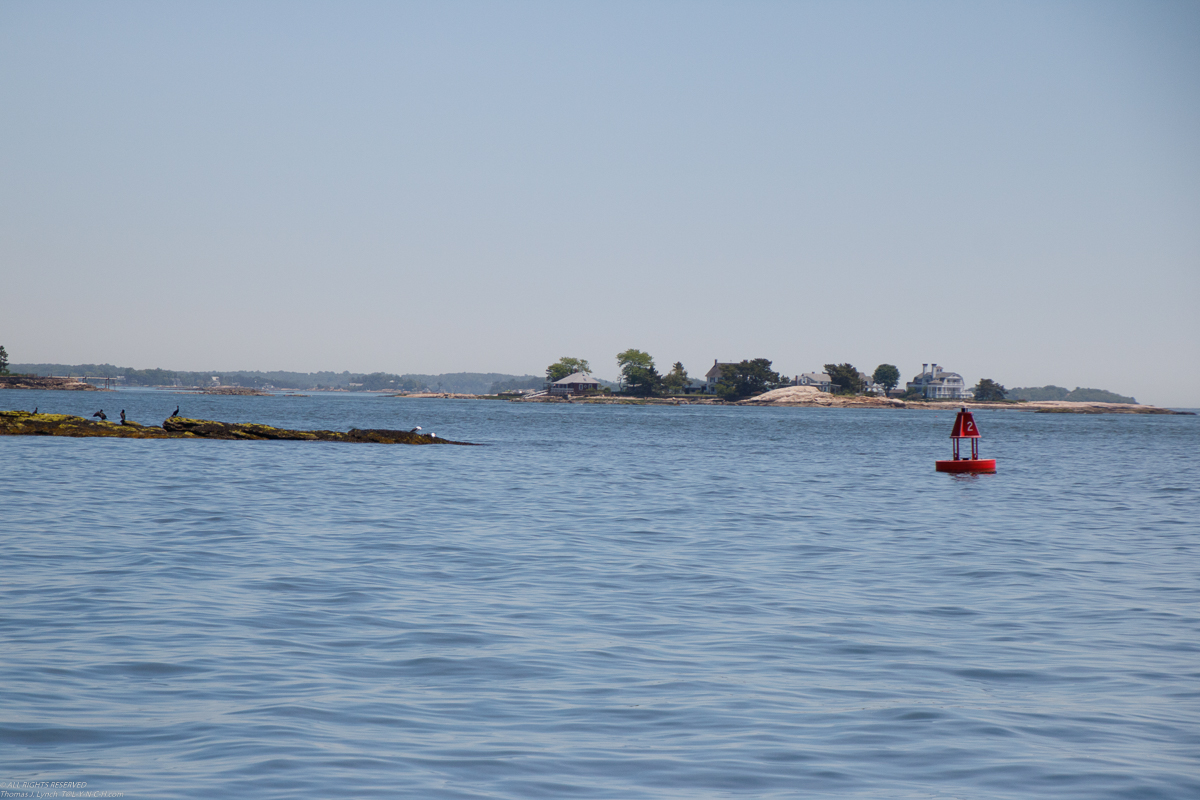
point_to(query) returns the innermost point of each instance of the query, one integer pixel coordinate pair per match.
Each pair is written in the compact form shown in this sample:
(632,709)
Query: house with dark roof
(575,383)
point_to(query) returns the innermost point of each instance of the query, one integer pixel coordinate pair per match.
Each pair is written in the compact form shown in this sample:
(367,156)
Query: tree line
(1078,394)
(845,378)
(459,382)
(848,380)
(640,376)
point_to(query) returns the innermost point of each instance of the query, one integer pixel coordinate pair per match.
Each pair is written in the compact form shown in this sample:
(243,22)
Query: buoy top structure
(965,428)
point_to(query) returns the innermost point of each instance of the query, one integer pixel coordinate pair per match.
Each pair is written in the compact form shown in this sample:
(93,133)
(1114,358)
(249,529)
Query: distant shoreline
(24,423)
(808,397)
(787,397)
(47,384)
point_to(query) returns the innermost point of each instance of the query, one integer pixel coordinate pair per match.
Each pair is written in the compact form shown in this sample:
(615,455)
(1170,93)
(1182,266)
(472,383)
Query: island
(240,391)
(35,382)
(811,396)
(24,423)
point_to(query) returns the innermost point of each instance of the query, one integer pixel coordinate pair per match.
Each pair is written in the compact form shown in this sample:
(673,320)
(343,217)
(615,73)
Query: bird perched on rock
(35,408)
(101,415)
(174,413)
(414,430)
(122,416)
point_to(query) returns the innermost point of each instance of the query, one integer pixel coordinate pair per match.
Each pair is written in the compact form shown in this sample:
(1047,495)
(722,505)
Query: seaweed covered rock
(23,423)
(240,391)
(208,429)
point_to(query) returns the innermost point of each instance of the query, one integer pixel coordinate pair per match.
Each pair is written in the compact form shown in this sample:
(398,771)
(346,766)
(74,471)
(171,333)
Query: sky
(1008,189)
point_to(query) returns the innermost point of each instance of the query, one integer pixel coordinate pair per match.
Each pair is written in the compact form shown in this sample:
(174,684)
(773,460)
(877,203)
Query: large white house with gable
(934,383)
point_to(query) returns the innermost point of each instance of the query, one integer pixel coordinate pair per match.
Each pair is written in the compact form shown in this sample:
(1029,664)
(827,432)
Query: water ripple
(608,602)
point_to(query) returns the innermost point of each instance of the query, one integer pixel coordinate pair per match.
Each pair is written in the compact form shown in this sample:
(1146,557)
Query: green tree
(3,360)
(1077,394)
(1082,395)
(988,389)
(844,378)
(1039,393)
(149,377)
(638,374)
(566,366)
(674,381)
(385,380)
(887,376)
(746,379)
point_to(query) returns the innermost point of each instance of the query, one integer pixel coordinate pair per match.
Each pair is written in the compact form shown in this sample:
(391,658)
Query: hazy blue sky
(1009,189)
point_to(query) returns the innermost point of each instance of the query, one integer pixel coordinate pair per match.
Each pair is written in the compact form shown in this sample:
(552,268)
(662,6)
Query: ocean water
(603,602)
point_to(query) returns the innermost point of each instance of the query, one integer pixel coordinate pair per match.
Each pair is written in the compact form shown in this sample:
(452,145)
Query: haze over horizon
(1009,190)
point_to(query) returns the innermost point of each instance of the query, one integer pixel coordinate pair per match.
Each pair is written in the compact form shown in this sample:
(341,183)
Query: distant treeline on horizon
(1076,395)
(456,382)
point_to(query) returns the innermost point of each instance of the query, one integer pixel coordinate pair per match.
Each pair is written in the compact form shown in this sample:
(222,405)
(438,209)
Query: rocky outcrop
(623,400)
(441,396)
(34,382)
(241,391)
(22,423)
(1051,407)
(812,396)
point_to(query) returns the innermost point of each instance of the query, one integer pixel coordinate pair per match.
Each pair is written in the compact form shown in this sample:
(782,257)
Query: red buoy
(965,428)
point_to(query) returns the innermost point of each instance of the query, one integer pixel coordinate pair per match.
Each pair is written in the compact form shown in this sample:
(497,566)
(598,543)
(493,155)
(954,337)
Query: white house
(934,383)
(817,379)
(575,383)
(713,376)
(869,386)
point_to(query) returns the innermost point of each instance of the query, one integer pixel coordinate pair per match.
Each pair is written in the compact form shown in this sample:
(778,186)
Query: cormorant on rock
(174,413)
(414,430)
(122,416)
(101,415)
(35,408)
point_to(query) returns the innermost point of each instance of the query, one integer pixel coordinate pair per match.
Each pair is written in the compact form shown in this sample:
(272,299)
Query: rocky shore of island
(239,391)
(24,423)
(811,396)
(53,384)
(625,400)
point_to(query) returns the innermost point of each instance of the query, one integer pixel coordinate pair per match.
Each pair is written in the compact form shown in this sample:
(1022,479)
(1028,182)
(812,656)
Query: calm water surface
(605,602)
